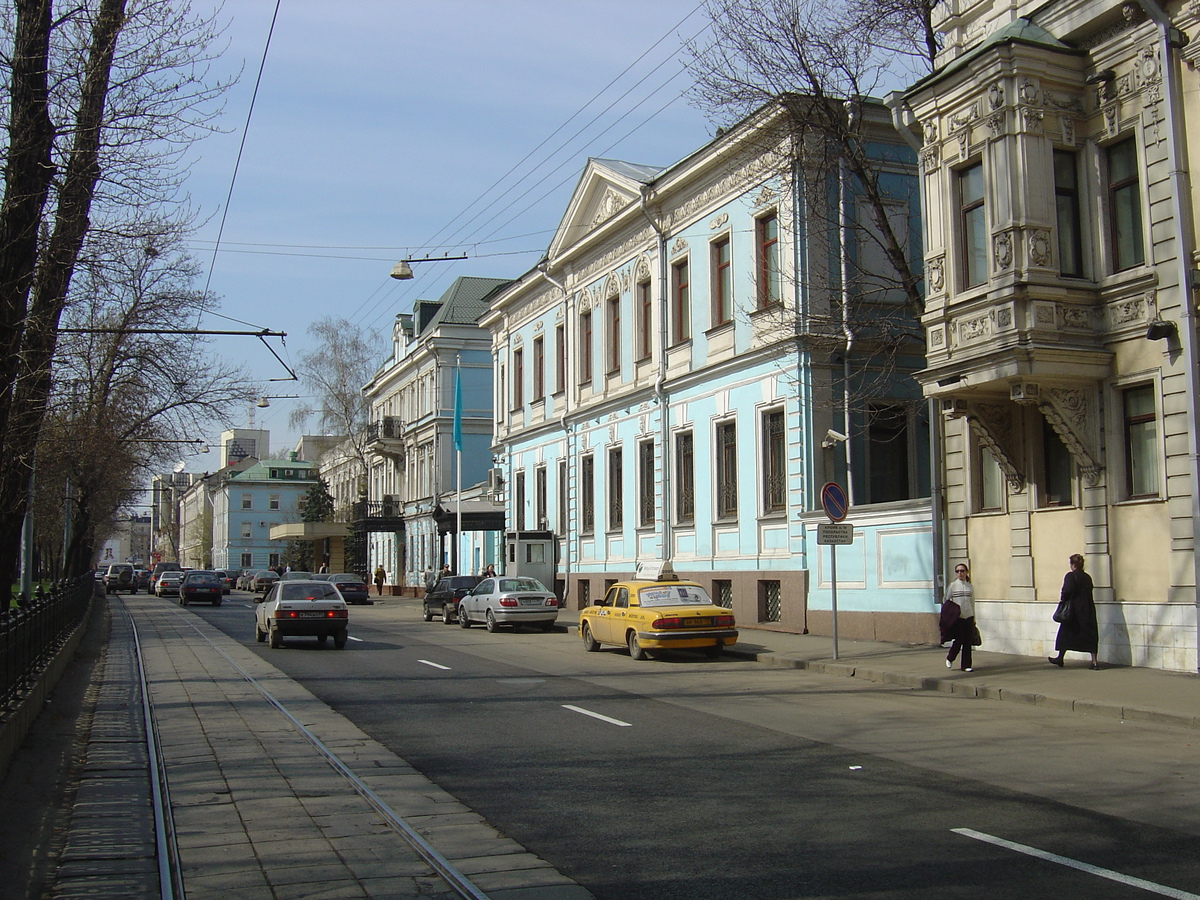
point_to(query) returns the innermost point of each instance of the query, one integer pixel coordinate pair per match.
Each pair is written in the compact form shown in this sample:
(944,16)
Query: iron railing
(31,635)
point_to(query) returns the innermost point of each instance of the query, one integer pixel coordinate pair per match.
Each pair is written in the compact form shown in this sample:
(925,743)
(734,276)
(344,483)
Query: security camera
(833,437)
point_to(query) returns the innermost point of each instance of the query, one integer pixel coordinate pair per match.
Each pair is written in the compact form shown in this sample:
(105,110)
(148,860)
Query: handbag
(976,638)
(1064,614)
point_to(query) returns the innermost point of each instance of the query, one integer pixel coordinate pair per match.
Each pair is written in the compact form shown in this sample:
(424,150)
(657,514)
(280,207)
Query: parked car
(226,579)
(657,615)
(244,578)
(353,588)
(504,600)
(444,598)
(120,577)
(302,608)
(296,576)
(201,585)
(262,580)
(168,583)
(159,568)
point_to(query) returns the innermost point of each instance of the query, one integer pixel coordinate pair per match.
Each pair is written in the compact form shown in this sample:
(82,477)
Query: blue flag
(458,408)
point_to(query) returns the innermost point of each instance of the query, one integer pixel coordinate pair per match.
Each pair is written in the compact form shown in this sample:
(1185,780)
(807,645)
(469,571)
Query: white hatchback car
(302,608)
(504,600)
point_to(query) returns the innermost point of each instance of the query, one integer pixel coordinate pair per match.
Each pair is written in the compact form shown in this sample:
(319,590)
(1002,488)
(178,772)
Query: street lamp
(402,271)
(265,401)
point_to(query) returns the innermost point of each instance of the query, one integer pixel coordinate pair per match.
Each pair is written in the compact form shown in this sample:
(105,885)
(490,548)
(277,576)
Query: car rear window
(203,579)
(318,591)
(674,595)
(521,584)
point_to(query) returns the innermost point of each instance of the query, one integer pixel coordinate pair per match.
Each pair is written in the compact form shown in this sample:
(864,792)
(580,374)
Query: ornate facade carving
(996,427)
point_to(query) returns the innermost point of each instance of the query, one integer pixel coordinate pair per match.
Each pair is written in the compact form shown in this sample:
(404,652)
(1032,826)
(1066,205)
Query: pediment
(605,188)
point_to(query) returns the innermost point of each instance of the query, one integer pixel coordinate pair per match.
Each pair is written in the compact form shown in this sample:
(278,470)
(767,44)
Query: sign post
(836,505)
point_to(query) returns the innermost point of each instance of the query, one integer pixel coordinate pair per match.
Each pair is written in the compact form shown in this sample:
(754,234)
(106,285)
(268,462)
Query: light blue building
(675,379)
(248,499)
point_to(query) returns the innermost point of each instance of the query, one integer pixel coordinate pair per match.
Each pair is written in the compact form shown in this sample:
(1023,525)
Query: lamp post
(402,271)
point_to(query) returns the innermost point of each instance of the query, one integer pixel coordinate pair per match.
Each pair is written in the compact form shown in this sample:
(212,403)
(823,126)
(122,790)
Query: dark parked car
(204,586)
(226,577)
(120,577)
(443,599)
(159,568)
(262,580)
(353,588)
(143,579)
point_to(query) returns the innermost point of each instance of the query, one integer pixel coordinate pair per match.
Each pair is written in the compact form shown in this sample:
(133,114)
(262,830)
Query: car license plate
(696,623)
(311,614)
(530,601)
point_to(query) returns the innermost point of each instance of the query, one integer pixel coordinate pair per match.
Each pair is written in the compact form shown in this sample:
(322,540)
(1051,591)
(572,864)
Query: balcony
(378,515)
(385,437)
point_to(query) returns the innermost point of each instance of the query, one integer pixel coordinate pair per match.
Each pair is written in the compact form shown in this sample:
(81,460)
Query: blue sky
(378,127)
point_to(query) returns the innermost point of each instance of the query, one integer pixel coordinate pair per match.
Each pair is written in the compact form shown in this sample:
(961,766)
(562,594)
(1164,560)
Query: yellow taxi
(661,614)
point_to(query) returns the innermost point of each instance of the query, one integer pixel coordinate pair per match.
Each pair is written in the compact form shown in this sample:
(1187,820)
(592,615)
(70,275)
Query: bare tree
(343,359)
(105,96)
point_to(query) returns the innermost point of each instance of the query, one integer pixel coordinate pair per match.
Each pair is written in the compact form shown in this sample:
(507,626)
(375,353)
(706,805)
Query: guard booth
(530,553)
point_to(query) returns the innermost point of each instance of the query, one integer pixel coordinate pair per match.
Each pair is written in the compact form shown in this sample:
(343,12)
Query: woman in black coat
(1081,634)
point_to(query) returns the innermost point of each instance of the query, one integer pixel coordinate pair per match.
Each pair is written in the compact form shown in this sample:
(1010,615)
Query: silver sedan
(504,600)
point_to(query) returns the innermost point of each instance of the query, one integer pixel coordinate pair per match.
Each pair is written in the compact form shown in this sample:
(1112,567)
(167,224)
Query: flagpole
(458,459)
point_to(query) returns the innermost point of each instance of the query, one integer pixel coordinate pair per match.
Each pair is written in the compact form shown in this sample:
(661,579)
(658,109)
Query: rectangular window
(246,529)
(539,369)
(1066,203)
(681,303)
(247,560)
(722,283)
(685,479)
(518,379)
(273,502)
(974,225)
(887,449)
(723,592)
(540,498)
(587,495)
(247,502)
(1141,442)
(727,470)
(519,502)
(774,463)
(1056,469)
(272,559)
(647,484)
(585,348)
(562,496)
(613,310)
(560,359)
(991,482)
(1125,206)
(645,320)
(616,493)
(770,288)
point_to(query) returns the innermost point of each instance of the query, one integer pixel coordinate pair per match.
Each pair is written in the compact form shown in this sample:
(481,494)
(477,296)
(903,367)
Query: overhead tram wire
(366,308)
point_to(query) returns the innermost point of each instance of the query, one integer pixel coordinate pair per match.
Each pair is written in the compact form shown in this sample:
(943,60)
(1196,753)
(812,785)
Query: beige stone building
(1061,270)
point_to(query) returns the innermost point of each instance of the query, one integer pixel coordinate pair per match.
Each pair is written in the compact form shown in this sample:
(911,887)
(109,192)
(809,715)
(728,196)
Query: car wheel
(183,601)
(339,640)
(714,651)
(447,616)
(428,616)
(259,634)
(217,602)
(276,639)
(492,625)
(322,639)
(635,649)
(463,620)
(548,626)
(590,644)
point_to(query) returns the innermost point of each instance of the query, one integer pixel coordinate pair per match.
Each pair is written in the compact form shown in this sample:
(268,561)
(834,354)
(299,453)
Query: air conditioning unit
(288,473)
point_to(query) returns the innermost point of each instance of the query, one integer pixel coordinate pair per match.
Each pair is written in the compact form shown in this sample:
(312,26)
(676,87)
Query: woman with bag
(1076,615)
(961,593)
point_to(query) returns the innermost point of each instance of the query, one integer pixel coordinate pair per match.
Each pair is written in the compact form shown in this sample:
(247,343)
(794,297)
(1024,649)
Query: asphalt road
(690,778)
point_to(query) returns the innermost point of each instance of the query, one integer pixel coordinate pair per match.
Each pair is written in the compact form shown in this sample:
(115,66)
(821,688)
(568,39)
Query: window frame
(1050,444)
(519,500)
(681,304)
(541,499)
(587,494)
(612,318)
(768,262)
(1151,444)
(972,255)
(615,466)
(647,484)
(644,298)
(774,461)
(539,369)
(725,470)
(518,378)
(721,276)
(685,477)
(1116,194)
(586,348)
(560,358)
(1068,220)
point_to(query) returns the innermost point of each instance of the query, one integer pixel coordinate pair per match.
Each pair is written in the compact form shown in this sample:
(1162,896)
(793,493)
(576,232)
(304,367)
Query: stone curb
(961,688)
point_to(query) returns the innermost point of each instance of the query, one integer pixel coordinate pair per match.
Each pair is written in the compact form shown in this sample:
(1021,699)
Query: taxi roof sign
(655,570)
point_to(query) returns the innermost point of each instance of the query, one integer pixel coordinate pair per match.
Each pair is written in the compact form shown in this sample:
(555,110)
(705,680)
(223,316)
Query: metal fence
(31,635)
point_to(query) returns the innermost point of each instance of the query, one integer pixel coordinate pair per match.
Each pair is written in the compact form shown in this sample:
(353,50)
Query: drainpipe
(847,331)
(544,268)
(894,101)
(664,412)
(1170,39)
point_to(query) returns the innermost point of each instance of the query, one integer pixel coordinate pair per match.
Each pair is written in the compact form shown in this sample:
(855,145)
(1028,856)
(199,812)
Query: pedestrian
(430,580)
(380,578)
(446,573)
(324,570)
(1079,631)
(961,593)
(489,571)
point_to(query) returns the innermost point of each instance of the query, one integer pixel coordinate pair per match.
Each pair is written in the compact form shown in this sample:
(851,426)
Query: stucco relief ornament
(930,129)
(765,197)
(1032,119)
(937,337)
(937,274)
(1147,65)
(1068,129)
(996,121)
(643,269)
(1004,317)
(680,246)
(1030,93)
(996,95)
(718,221)
(1039,247)
(1110,119)
(1002,250)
